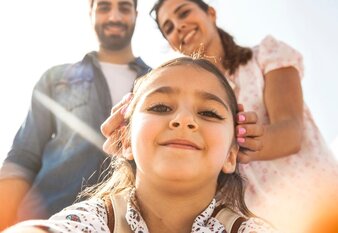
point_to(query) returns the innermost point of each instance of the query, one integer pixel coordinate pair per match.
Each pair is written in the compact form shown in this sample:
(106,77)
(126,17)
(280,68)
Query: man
(51,159)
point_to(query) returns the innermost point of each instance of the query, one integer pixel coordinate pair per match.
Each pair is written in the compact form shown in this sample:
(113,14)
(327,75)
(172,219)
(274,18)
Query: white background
(37,34)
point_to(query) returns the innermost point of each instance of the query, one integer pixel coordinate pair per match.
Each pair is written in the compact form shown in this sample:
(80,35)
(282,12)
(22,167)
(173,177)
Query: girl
(182,173)
(294,168)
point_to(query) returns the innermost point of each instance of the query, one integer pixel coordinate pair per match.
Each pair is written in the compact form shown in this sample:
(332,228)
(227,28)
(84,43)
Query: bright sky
(36,35)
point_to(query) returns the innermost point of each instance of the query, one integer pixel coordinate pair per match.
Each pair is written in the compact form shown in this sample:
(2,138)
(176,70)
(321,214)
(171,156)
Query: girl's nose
(186,121)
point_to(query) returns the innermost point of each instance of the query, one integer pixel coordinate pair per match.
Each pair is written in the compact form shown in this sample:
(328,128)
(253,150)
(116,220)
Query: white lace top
(91,216)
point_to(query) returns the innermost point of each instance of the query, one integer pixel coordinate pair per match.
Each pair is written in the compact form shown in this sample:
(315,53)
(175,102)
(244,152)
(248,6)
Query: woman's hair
(235,55)
(230,187)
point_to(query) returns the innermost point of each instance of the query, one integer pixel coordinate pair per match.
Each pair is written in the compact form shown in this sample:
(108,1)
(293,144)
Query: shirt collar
(138,65)
(203,223)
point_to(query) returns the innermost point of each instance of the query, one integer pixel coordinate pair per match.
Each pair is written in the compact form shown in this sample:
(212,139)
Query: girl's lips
(182,144)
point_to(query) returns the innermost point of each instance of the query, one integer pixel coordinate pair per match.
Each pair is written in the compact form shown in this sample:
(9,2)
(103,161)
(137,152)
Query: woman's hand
(249,135)
(112,127)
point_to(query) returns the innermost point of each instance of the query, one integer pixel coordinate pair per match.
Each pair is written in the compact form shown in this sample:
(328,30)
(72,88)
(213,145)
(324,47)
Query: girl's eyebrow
(202,94)
(163,90)
(209,96)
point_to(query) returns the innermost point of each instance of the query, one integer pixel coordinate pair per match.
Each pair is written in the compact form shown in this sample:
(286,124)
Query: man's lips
(181,143)
(115,27)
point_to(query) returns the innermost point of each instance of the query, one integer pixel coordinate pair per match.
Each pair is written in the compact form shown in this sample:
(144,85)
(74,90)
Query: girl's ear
(212,13)
(126,144)
(229,165)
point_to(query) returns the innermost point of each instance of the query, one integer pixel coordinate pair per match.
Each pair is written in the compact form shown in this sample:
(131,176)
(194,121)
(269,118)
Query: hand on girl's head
(112,127)
(249,135)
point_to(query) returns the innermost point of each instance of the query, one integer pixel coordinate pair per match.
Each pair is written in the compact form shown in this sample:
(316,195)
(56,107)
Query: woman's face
(182,128)
(187,27)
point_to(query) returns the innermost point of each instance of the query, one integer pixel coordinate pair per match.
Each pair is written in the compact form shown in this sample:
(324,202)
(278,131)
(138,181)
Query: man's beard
(114,42)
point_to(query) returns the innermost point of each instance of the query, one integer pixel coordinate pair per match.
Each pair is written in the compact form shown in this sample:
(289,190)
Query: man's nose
(115,15)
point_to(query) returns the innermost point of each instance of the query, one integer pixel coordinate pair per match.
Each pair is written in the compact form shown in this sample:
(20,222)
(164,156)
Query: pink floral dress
(283,190)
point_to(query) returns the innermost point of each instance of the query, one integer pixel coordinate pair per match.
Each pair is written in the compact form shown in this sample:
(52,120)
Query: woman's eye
(159,108)
(184,14)
(211,114)
(168,29)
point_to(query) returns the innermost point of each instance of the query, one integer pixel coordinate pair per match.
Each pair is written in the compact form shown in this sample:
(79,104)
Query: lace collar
(203,223)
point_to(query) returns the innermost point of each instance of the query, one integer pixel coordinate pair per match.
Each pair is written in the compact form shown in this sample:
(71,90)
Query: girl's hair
(235,55)
(230,187)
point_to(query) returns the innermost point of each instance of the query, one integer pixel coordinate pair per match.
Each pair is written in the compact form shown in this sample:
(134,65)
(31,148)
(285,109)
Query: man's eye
(211,114)
(125,9)
(104,8)
(159,108)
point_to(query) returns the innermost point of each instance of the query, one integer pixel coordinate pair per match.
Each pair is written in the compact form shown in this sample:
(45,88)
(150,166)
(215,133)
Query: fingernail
(241,131)
(124,109)
(127,97)
(240,140)
(124,123)
(241,118)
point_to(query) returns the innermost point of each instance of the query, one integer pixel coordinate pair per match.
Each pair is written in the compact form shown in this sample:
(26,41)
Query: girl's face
(186,26)
(182,128)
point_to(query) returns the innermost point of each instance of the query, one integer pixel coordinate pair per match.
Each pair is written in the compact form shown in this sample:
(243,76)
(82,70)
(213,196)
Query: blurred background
(38,34)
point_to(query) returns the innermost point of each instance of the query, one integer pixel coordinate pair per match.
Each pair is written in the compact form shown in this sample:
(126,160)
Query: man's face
(114,22)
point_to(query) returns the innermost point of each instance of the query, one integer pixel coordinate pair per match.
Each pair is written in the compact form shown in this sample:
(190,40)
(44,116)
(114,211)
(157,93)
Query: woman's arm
(284,103)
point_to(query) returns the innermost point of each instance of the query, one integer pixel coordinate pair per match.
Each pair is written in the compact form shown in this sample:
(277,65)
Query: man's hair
(91,3)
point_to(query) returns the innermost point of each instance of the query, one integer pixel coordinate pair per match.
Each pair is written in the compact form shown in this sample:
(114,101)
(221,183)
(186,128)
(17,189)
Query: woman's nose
(181,27)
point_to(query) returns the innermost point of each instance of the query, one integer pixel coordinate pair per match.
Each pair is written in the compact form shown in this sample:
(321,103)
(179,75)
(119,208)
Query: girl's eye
(211,114)
(160,108)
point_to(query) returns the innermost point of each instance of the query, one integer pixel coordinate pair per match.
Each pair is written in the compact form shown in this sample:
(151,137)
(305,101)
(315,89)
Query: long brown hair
(235,55)
(230,187)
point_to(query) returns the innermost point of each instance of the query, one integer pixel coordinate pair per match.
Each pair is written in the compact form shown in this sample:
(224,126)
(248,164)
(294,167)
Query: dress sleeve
(86,216)
(273,54)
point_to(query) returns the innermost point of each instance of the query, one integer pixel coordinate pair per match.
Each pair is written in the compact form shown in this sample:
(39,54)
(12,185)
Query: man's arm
(12,192)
